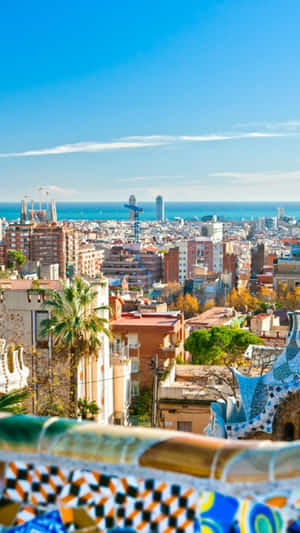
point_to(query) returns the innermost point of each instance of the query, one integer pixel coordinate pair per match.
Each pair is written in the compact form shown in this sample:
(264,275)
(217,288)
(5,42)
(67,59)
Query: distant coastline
(187,210)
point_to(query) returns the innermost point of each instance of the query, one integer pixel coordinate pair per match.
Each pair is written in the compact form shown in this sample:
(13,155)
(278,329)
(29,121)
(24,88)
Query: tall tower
(160,209)
(280,212)
(132,201)
(23,212)
(53,216)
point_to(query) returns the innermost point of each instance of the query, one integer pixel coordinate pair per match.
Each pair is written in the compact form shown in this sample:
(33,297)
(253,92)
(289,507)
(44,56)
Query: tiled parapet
(144,479)
(131,449)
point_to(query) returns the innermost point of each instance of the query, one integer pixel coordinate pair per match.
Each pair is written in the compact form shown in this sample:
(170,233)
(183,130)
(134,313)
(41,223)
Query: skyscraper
(280,212)
(23,212)
(160,209)
(53,216)
(132,201)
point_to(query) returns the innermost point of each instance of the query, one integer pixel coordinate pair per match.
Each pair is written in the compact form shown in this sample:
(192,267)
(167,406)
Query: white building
(96,375)
(280,212)
(212,230)
(218,256)
(90,260)
(182,261)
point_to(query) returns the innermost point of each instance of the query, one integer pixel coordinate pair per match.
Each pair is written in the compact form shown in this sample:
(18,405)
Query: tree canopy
(188,304)
(219,345)
(15,258)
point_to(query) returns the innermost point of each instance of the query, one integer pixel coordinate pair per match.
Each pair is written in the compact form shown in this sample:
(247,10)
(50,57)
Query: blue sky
(195,100)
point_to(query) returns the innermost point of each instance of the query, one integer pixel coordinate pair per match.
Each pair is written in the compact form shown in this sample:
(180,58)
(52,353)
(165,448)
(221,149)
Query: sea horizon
(109,210)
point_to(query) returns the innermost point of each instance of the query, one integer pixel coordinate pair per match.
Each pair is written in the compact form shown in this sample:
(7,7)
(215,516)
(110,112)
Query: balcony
(134,350)
(173,350)
(118,349)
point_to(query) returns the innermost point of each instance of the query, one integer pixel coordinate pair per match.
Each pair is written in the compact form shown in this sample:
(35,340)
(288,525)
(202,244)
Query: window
(135,389)
(41,342)
(135,364)
(184,426)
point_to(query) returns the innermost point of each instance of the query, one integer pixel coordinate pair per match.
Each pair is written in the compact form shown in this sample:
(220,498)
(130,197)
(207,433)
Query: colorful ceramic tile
(47,523)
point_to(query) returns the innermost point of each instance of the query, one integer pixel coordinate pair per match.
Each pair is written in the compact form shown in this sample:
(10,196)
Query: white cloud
(144,141)
(160,139)
(81,147)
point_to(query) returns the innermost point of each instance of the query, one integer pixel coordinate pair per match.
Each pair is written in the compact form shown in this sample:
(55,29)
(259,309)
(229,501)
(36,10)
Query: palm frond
(13,401)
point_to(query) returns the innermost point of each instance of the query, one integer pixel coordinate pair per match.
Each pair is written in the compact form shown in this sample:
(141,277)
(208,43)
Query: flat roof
(212,317)
(26,284)
(157,320)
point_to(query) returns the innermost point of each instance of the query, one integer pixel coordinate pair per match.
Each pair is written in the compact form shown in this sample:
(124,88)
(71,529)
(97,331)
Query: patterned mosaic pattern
(46,523)
(146,505)
(224,514)
(264,421)
(261,396)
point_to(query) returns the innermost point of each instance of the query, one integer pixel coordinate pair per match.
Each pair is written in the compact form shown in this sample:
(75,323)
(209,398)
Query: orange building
(171,269)
(147,335)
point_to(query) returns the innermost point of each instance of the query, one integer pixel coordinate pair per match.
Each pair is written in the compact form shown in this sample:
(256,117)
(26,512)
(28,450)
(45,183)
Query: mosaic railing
(60,475)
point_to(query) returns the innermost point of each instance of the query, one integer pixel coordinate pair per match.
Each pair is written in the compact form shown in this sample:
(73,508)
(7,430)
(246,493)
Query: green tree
(13,402)
(220,345)
(75,326)
(142,408)
(87,410)
(15,259)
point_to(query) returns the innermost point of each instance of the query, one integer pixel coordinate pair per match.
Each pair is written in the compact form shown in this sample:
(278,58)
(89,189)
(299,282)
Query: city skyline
(197,101)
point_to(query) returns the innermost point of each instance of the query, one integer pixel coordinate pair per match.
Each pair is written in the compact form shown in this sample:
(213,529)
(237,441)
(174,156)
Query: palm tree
(13,402)
(75,326)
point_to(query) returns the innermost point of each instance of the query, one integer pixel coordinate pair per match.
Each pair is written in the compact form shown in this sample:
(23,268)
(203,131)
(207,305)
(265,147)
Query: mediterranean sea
(186,210)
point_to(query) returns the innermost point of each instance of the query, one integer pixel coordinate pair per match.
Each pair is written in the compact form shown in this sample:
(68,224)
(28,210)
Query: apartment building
(89,260)
(17,237)
(46,242)
(171,266)
(286,270)
(141,269)
(148,335)
(182,259)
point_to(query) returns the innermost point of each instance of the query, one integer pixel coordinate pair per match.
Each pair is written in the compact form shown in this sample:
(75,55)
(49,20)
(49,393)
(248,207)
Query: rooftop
(155,320)
(26,284)
(216,316)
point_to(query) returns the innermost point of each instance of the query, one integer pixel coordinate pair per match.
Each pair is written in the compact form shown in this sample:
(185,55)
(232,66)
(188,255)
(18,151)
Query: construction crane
(40,189)
(136,213)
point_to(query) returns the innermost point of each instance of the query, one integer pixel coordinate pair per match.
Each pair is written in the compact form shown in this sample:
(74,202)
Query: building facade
(171,266)
(148,335)
(286,270)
